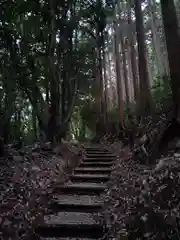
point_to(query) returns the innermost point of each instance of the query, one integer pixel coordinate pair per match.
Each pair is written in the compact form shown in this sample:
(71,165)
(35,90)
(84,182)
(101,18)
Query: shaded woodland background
(90,70)
(68,65)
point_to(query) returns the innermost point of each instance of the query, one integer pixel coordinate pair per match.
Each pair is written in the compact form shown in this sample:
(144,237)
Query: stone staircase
(77,204)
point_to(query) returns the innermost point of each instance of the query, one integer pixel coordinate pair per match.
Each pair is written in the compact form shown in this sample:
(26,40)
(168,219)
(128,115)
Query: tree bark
(156,40)
(173,48)
(123,49)
(118,78)
(145,98)
(105,87)
(133,54)
(54,86)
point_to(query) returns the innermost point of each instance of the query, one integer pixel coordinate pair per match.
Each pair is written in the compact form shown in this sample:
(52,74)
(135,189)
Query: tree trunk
(54,85)
(34,123)
(118,78)
(123,49)
(100,78)
(112,90)
(173,47)
(133,54)
(47,91)
(156,40)
(145,98)
(105,87)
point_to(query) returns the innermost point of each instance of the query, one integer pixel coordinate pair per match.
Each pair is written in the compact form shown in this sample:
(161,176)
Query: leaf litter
(27,179)
(143,201)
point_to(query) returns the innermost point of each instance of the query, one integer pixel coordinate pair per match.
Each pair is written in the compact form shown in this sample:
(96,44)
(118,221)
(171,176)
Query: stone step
(90,177)
(76,203)
(59,238)
(82,188)
(100,156)
(95,164)
(97,170)
(88,159)
(99,153)
(70,224)
(96,149)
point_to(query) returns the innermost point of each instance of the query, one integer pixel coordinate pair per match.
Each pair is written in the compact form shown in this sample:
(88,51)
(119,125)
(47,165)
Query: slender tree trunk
(156,39)
(123,49)
(54,108)
(145,98)
(133,55)
(173,47)
(105,88)
(96,77)
(118,79)
(112,92)
(100,44)
(100,80)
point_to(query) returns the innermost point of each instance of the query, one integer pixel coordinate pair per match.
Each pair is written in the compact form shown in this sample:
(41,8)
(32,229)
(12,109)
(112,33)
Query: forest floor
(27,178)
(143,201)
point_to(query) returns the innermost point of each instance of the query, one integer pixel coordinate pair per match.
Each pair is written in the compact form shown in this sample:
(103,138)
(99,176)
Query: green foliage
(30,61)
(161,90)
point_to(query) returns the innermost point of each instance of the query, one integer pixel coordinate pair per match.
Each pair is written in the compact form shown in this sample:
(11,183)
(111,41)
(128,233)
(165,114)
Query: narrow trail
(77,204)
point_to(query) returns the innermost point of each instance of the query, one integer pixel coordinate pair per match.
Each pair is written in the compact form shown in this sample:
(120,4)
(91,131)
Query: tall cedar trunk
(133,54)
(69,82)
(105,87)
(118,78)
(96,77)
(130,74)
(173,48)
(112,92)
(145,98)
(123,49)
(101,85)
(156,39)
(54,108)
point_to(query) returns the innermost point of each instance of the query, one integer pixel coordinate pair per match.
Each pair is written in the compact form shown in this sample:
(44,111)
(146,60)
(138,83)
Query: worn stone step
(100,156)
(96,149)
(110,160)
(97,170)
(98,153)
(82,188)
(70,224)
(90,177)
(96,164)
(77,203)
(59,238)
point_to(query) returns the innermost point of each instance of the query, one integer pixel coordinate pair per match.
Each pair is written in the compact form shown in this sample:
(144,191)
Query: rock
(177,155)
(36,168)
(76,200)
(57,151)
(70,218)
(47,146)
(18,158)
(178,144)
(160,165)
